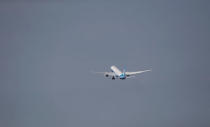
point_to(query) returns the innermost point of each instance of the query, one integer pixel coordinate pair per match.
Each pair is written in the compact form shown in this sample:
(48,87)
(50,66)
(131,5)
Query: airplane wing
(106,73)
(137,72)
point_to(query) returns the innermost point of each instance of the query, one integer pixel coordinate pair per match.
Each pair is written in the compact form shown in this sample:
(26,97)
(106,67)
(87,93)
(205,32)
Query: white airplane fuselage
(118,73)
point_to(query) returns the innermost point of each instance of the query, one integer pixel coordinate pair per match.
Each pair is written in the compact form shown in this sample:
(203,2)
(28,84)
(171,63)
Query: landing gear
(113,78)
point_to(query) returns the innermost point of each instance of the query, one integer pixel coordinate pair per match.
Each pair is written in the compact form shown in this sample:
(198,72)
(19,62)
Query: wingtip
(149,70)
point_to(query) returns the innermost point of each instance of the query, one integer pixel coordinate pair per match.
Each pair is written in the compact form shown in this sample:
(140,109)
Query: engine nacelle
(106,75)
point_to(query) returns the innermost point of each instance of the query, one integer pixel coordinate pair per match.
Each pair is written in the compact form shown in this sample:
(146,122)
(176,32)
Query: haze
(48,49)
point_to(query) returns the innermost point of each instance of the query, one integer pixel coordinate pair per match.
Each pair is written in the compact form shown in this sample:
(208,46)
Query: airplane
(116,73)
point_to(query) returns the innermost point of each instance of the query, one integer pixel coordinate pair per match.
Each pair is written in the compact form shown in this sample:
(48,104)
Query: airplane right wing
(137,72)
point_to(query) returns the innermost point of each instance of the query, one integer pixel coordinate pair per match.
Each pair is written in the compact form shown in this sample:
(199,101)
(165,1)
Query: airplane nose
(122,76)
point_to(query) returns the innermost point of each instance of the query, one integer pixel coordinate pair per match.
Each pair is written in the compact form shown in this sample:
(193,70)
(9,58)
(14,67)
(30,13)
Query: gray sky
(48,49)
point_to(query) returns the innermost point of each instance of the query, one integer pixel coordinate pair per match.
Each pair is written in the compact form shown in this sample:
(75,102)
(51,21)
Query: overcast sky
(48,50)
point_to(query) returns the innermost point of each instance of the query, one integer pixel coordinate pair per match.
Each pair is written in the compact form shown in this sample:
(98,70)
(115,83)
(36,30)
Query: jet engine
(106,75)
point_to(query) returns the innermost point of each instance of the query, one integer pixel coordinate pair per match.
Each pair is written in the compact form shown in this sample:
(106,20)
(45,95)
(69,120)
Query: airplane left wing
(106,73)
(137,72)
